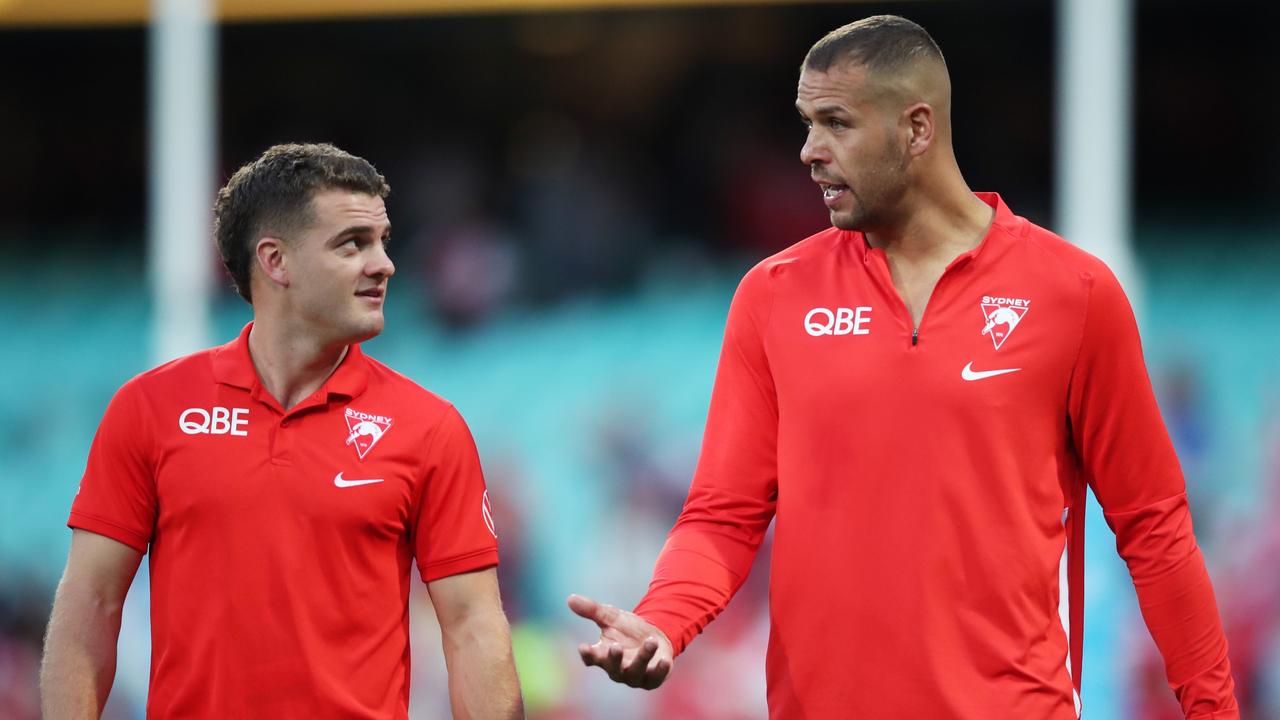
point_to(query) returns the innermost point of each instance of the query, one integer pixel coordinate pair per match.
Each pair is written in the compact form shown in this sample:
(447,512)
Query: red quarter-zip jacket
(920,478)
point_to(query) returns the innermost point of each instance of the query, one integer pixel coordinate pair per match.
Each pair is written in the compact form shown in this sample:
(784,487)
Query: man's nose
(814,150)
(381,264)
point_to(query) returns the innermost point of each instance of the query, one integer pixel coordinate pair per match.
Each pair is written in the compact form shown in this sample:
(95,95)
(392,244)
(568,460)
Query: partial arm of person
(456,546)
(112,520)
(732,499)
(80,646)
(477,647)
(1129,461)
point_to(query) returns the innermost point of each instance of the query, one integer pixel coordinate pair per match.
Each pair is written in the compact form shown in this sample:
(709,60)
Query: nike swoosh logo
(337,480)
(968,373)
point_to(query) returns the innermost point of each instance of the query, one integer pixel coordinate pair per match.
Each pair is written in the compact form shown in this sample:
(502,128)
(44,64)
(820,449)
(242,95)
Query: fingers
(640,664)
(633,672)
(613,662)
(635,669)
(599,613)
(599,655)
(605,655)
(657,675)
(583,606)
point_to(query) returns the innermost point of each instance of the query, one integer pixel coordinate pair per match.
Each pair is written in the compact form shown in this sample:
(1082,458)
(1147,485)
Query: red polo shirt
(281,541)
(919,478)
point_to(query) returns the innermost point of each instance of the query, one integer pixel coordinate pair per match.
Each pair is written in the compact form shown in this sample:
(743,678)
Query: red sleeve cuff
(689,587)
(478,560)
(106,528)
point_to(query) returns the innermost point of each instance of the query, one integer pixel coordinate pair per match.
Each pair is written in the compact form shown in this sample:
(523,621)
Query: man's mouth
(375,292)
(831,191)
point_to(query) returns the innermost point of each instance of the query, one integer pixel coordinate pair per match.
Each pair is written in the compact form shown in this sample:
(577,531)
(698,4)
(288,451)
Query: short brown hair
(882,43)
(272,195)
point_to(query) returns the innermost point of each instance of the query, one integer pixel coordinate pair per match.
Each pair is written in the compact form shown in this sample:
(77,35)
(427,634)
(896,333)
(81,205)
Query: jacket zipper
(915,329)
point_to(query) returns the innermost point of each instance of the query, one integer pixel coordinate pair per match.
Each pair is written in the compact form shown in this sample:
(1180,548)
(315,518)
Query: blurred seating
(597,404)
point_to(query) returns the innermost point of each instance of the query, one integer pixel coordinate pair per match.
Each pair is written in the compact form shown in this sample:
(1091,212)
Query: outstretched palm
(630,650)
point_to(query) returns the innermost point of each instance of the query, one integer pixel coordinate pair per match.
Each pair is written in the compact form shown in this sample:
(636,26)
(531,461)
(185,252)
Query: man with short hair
(284,484)
(917,394)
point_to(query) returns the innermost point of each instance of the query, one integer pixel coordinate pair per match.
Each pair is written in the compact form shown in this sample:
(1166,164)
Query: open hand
(630,650)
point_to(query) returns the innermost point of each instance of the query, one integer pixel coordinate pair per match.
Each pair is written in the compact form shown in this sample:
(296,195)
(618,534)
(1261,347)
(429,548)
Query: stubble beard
(853,219)
(883,187)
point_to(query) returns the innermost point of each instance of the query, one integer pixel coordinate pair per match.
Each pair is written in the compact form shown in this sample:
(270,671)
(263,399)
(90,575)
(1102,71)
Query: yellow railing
(54,13)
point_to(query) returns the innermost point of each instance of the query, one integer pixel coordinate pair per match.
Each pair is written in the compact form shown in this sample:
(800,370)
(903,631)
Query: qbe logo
(214,421)
(841,321)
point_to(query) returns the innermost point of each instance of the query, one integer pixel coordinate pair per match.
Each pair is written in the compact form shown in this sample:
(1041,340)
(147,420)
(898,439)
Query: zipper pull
(915,336)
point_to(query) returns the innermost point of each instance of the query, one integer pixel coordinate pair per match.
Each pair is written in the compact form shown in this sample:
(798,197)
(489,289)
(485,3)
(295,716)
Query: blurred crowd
(638,480)
(1244,549)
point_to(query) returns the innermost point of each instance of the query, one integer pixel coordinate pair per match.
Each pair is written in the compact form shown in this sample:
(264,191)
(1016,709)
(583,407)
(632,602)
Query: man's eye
(837,124)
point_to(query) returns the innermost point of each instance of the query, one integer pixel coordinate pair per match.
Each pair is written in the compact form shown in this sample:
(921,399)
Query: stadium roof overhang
(71,13)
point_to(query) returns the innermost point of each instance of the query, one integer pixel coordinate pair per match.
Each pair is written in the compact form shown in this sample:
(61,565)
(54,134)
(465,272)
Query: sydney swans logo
(1002,315)
(364,430)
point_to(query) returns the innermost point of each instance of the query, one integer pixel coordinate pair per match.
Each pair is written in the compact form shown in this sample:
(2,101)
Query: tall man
(917,394)
(283,485)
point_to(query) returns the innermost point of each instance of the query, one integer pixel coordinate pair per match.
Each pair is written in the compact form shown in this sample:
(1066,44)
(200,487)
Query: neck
(938,220)
(290,365)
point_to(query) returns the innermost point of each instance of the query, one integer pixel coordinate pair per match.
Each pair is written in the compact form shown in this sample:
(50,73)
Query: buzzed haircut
(272,196)
(881,43)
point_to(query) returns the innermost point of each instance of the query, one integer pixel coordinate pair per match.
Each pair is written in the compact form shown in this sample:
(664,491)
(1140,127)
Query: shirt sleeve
(734,492)
(1129,461)
(454,532)
(117,495)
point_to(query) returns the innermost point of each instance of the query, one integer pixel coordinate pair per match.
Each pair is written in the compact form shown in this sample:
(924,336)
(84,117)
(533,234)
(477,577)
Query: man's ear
(272,260)
(921,124)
